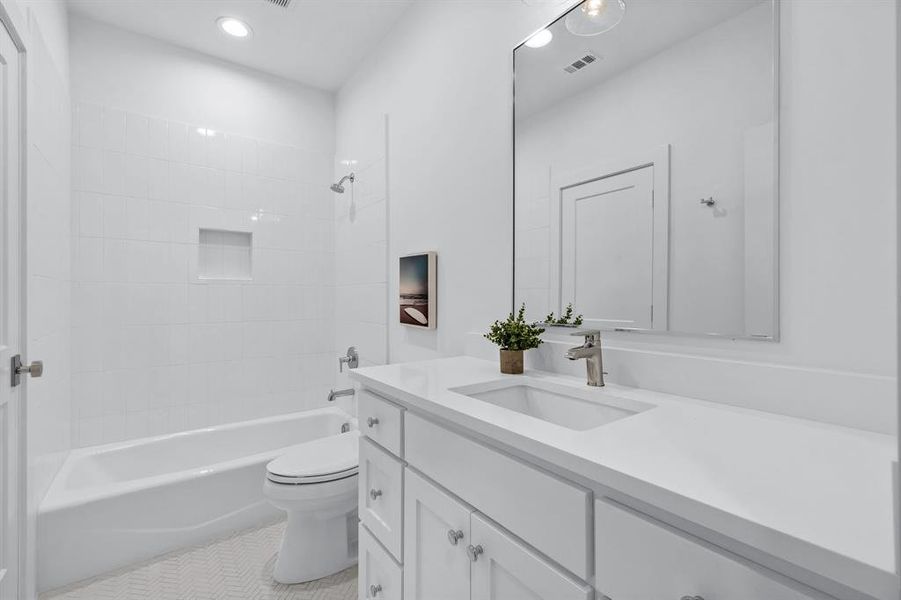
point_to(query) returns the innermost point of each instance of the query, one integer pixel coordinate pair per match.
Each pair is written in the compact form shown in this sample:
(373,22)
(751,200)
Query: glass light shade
(594,17)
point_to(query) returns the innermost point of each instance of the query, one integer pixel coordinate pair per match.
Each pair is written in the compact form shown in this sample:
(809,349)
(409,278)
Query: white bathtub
(122,503)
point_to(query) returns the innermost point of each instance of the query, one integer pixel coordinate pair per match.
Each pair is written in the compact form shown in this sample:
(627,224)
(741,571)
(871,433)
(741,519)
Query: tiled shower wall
(361,234)
(157,347)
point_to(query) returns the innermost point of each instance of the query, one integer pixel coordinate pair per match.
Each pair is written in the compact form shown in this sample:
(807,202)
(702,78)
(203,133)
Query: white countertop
(817,496)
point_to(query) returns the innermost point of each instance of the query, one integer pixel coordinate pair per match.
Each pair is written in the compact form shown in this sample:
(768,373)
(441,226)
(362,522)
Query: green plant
(515,333)
(565,319)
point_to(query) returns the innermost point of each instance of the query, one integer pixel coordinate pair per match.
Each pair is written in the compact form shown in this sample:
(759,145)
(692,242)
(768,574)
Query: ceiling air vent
(280,3)
(580,63)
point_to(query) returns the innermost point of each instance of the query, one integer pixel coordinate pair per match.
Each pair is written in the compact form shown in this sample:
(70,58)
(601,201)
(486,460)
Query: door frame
(659,159)
(15,24)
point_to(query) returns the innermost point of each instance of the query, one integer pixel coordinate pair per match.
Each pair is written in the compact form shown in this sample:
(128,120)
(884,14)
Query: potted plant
(513,336)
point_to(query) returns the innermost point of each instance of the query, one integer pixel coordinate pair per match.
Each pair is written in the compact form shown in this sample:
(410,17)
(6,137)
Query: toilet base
(313,548)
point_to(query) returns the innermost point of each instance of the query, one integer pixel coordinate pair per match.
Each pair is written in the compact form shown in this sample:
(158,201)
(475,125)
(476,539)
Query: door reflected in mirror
(646,168)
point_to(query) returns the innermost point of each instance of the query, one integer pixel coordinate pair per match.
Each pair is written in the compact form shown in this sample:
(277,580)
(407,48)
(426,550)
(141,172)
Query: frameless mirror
(645,149)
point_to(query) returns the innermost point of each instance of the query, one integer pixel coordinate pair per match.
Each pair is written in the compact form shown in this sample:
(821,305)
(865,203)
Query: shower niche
(225,255)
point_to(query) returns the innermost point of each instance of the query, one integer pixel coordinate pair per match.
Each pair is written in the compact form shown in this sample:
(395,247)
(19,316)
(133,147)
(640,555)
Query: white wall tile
(157,138)
(113,130)
(178,142)
(155,347)
(157,179)
(135,177)
(90,214)
(197,145)
(137,134)
(87,165)
(88,126)
(113,167)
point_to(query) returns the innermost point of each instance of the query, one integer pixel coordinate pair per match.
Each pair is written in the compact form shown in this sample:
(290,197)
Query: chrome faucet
(591,352)
(338,393)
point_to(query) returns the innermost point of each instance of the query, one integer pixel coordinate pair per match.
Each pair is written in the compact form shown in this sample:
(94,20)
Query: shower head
(337,187)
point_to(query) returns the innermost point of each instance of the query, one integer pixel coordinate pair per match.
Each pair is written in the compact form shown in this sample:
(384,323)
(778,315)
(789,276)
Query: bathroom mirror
(646,167)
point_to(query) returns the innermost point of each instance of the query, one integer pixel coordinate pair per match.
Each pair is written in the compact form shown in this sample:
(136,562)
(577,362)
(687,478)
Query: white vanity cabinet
(455,518)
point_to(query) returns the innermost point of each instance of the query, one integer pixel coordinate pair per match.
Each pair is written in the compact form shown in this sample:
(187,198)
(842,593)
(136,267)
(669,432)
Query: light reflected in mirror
(646,167)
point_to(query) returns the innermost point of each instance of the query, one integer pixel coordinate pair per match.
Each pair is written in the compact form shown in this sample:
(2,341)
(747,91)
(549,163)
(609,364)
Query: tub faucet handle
(351,359)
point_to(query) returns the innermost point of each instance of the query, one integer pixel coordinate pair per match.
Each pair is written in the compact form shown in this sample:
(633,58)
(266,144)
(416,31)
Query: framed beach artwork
(417,290)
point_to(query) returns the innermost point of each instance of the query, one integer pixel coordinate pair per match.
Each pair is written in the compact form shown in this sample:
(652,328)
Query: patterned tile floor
(238,567)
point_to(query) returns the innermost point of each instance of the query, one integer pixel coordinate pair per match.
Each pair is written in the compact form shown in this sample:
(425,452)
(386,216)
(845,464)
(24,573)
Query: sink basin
(563,405)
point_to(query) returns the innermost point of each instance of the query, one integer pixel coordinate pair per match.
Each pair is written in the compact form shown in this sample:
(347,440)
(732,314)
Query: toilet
(316,484)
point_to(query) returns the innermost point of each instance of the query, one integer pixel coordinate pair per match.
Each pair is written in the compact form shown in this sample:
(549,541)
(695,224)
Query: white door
(607,249)
(505,569)
(12,415)
(436,534)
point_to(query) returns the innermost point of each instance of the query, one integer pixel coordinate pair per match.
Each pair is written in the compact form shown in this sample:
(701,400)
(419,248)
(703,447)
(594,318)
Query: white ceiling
(648,27)
(316,42)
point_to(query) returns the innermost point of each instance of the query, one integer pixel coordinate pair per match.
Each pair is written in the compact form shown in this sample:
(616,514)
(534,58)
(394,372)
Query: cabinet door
(505,569)
(436,533)
(642,559)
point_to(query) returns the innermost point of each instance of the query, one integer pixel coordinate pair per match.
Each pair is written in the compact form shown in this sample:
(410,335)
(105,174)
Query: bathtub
(122,503)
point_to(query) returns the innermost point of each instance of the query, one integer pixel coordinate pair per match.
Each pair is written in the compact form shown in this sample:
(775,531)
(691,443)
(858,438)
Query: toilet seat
(318,461)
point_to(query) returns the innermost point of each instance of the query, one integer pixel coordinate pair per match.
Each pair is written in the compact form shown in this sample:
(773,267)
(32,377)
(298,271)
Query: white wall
(443,77)
(451,173)
(168,142)
(43,26)
(691,97)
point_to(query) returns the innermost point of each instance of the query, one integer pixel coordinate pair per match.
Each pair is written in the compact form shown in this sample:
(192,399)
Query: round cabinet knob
(454,536)
(374,590)
(372,422)
(474,552)
(374,494)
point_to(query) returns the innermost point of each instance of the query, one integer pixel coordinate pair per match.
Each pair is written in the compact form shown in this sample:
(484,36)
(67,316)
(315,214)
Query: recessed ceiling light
(540,39)
(234,27)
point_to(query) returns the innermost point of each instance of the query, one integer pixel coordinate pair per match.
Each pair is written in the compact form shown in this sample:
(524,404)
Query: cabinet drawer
(381,495)
(545,511)
(639,558)
(380,577)
(381,421)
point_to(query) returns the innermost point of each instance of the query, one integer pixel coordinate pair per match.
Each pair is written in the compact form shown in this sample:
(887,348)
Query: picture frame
(417,290)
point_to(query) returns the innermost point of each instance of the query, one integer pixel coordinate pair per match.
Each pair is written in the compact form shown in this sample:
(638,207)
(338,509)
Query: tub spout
(338,393)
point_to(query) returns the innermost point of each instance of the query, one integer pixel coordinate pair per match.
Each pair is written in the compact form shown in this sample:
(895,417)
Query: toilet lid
(326,459)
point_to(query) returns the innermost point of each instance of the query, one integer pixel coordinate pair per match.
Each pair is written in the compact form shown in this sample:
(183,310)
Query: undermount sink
(563,405)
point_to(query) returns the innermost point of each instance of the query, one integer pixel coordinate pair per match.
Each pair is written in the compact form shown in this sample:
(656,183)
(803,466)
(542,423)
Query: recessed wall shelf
(225,255)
